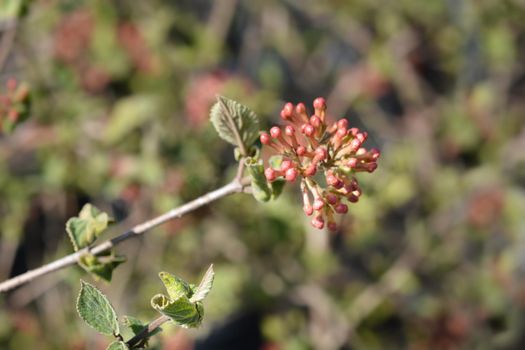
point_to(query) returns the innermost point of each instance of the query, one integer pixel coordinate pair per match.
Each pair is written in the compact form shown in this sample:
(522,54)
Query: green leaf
(94,308)
(229,118)
(11,8)
(205,286)
(277,187)
(101,267)
(175,286)
(117,345)
(133,326)
(260,189)
(130,113)
(84,229)
(136,326)
(181,310)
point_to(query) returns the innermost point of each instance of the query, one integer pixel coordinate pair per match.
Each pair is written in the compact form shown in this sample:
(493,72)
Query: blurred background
(432,256)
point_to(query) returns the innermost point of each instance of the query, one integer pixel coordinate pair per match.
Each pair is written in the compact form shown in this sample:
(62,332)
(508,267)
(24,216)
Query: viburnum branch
(140,338)
(235,186)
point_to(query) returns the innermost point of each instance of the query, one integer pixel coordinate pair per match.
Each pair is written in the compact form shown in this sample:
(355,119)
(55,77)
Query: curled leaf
(181,310)
(84,229)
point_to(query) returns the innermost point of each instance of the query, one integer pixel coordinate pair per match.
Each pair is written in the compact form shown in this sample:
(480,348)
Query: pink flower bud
(352,162)
(361,151)
(275,132)
(288,107)
(331,198)
(362,136)
(352,198)
(318,204)
(310,170)
(332,180)
(342,124)
(265,138)
(321,153)
(286,164)
(318,222)
(370,167)
(341,132)
(270,174)
(320,103)
(332,226)
(353,131)
(308,130)
(289,130)
(308,210)
(300,108)
(341,208)
(291,174)
(315,121)
(287,111)
(374,152)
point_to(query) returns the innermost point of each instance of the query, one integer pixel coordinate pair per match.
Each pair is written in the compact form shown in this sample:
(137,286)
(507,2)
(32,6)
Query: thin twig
(235,186)
(146,332)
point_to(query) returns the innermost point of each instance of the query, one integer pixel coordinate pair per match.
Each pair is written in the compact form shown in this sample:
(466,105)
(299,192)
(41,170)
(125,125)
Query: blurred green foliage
(432,256)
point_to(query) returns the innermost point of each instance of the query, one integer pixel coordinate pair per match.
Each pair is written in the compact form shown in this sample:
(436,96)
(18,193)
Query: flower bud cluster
(324,156)
(12,103)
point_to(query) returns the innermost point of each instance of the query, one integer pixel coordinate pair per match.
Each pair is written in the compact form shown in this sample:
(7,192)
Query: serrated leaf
(175,286)
(117,345)
(84,229)
(205,286)
(101,267)
(95,309)
(260,188)
(181,310)
(230,117)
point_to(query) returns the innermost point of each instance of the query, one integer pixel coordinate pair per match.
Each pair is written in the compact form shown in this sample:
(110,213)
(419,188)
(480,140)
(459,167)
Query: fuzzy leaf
(94,308)
(260,189)
(181,310)
(175,286)
(101,267)
(117,345)
(229,116)
(205,286)
(84,229)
